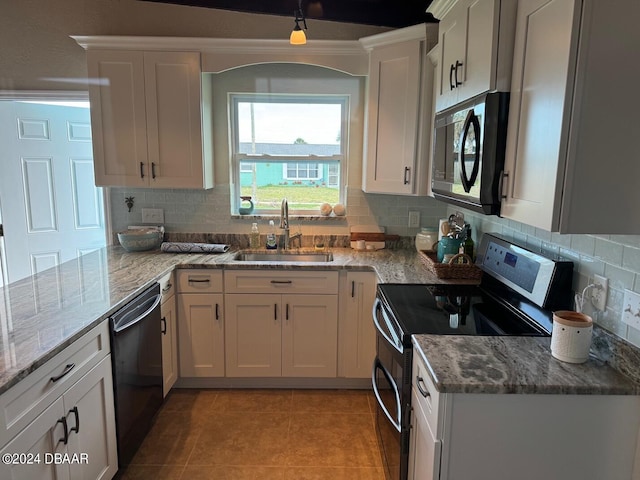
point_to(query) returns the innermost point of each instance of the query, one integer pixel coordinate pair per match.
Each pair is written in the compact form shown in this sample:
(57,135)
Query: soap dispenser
(272,244)
(254,237)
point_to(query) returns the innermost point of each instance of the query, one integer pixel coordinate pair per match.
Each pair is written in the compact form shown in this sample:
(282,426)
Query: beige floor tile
(232,473)
(259,401)
(333,473)
(332,440)
(242,439)
(155,472)
(165,449)
(186,399)
(331,401)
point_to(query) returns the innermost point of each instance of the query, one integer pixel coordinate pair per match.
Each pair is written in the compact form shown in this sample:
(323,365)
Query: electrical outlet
(599,292)
(631,309)
(414,219)
(153,215)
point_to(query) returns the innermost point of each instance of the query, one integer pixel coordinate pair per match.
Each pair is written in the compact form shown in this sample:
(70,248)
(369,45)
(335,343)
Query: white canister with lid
(426,238)
(571,336)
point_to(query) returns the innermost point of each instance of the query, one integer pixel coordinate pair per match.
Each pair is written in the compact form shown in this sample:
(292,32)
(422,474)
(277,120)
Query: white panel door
(52,211)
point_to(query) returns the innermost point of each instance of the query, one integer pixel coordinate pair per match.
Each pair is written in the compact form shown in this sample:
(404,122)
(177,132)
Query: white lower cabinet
(356,333)
(201,334)
(424,451)
(200,323)
(169,343)
(516,436)
(281,323)
(74,438)
(281,335)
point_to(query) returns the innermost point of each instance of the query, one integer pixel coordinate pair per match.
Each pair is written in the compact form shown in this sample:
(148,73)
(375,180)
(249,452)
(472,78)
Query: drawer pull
(164,325)
(195,280)
(281,281)
(167,288)
(63,421)
(423,391)
(67,369)
(77,415)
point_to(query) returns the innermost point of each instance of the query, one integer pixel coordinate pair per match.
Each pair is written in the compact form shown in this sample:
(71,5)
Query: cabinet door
(357,337)
(174,127)
(392,118)
(309,335)
(44,436)
(479,69)
(424,449)
(452,44)
(169,344)
(91,421)
(118,118)
(253,335)
(201,334)
(538,126)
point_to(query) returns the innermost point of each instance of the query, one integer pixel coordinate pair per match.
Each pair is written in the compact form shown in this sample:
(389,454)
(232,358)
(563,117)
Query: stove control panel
(539,277)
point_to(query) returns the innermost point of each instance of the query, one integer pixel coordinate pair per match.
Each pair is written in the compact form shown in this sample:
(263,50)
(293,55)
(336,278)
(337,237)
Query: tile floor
(261,435)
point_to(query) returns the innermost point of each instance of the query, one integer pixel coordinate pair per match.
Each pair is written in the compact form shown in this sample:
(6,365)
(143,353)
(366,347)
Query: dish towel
(179,247)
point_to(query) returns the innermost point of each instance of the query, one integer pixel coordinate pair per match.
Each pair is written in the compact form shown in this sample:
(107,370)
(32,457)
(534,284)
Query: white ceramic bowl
(140,240)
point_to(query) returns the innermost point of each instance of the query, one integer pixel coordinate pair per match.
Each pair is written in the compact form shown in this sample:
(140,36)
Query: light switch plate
(153,215)
(414,219)
(631,309)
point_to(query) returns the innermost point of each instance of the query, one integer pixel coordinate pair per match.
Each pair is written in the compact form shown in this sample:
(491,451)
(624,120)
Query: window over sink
(289,146)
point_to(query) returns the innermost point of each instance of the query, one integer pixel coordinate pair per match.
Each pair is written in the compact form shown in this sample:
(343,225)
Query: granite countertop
(43,314)
(463,364)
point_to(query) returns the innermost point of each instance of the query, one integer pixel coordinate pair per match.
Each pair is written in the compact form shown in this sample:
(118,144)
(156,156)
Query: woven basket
(452,269)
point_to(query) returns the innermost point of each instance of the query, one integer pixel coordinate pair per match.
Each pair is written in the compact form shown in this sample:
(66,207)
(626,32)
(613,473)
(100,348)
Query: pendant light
(298,36)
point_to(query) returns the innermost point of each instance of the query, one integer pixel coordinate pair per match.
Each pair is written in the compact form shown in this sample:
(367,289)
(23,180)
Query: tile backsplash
(616,257)
(209,211)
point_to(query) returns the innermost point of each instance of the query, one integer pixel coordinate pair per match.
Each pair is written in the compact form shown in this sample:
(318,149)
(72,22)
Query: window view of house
(288,147)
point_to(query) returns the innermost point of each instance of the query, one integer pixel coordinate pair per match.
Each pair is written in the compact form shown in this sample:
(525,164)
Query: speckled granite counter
(463,364)
(41,315)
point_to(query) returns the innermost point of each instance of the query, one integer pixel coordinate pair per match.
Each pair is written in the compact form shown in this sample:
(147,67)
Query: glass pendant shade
(297,36)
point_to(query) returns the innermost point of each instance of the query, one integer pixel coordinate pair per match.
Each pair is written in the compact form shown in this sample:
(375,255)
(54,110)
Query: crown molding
(439,8)
(416,32)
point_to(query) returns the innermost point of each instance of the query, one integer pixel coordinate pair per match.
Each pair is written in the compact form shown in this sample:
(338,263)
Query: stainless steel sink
(285,256)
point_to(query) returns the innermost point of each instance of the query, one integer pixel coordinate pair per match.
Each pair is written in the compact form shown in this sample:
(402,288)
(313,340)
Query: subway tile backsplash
(617,257)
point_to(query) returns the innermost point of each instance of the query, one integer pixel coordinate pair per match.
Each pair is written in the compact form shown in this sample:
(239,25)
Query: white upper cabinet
(571,158)
(475,41)
(146,119)
(398,118)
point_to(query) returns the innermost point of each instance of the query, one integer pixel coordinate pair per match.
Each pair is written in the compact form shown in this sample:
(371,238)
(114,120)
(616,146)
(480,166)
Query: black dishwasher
(136,354)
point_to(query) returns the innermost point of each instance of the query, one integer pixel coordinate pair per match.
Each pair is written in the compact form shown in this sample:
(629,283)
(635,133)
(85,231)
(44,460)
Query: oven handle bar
(395,342)
(377,365)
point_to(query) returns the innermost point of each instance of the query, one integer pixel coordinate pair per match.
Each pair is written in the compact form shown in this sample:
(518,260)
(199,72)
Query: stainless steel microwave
(469,148)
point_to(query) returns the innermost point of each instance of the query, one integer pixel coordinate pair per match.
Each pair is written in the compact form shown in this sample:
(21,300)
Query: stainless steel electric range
(519,290)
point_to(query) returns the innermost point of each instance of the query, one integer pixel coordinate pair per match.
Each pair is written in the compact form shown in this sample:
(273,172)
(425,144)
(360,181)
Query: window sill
(304,218)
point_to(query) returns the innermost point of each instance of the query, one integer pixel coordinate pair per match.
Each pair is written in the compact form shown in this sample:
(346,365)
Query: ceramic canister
(571,336)
(448,245)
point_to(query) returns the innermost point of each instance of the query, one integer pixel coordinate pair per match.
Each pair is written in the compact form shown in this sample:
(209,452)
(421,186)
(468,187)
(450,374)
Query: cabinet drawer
(23,402)
(199,281)
(167,286)
(260,281)
(428,396)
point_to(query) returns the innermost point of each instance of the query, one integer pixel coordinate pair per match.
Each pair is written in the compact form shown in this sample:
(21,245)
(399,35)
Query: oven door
(388,377)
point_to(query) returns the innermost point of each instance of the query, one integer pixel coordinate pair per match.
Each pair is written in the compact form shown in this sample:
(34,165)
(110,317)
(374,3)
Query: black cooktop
(462,310)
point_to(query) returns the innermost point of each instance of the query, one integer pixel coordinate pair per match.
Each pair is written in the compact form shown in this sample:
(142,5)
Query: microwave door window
(469,155)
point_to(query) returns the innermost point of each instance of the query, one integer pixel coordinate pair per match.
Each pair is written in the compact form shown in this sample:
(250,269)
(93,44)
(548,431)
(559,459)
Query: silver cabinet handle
(167,288)
(423,391)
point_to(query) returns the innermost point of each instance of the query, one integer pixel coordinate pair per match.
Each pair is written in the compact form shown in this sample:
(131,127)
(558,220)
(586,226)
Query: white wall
(37,53)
